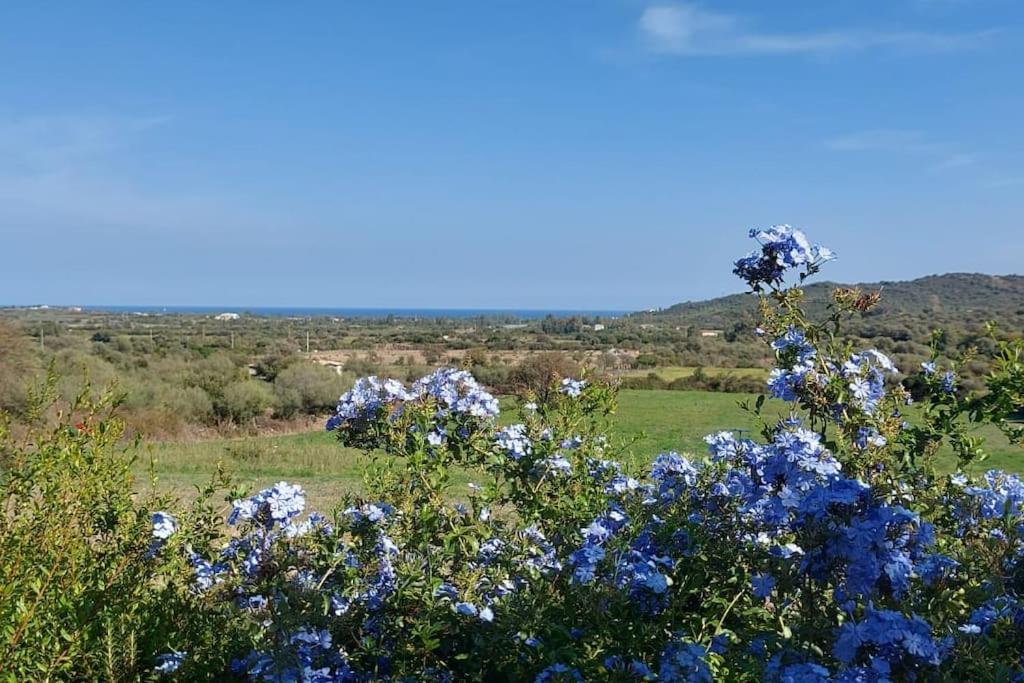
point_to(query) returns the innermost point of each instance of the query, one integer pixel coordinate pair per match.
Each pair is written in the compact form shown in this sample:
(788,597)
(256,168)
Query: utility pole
(307,342)
(42,345)
(232,339)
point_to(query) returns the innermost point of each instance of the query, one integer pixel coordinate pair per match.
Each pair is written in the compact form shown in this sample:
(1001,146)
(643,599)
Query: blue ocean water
(302,312)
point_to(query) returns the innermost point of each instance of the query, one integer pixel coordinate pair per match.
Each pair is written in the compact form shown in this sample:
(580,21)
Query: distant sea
(300,312)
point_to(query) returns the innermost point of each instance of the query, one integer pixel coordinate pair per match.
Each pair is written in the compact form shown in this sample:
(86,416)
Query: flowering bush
(829,549)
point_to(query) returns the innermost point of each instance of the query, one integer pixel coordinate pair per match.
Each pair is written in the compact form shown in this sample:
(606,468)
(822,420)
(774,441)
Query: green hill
(959,300)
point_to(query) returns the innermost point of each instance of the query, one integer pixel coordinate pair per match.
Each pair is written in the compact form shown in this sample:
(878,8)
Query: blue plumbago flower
(164,525)
(207,574)
(585,561)
(572,387)
(558,672)
(457,392)
(446,591)
(782,248)
(374,513)
(633,668)
(996,496)
(985,615)
(254,602)
(641,572)
(785,384)
(890,636)
(805,672)
(529,641)
(928,367)
(514,441)
(305,655)
(935,567)
(684,661)
(719,644)
(363,401)
(949,382)
(436,437)
(542,555)
(318,638)
(466,609)
(869,436)
(557,465)
(866,374)
(276,504)
(169,662)
(571,443)
(490,550)
(674,475)
(762,584)
(794,342)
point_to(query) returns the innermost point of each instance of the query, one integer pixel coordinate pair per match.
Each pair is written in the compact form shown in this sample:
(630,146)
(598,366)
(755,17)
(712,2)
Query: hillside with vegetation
(952,300)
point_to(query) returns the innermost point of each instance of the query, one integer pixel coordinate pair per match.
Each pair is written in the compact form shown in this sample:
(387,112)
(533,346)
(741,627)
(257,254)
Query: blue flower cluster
(865,373)
(890,641)
(782,248)
(366,397)
(684,661)
(169,662)
(514,441)
(453,392)
(164,526)
(572,387)
(458,392)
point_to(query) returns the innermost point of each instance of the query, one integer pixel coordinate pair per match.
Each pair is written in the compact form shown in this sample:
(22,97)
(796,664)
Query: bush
(16,367)
(88,593)
(535,374)
(245,400)
(307,388)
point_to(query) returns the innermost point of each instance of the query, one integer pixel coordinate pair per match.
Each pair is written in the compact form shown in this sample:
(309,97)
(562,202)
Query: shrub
(245,400)
(87,591)
(535,374)
(16,367)
(306,388)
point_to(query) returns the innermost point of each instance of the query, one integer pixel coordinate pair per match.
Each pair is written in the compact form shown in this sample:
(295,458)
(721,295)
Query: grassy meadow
(659,420)
(671,373)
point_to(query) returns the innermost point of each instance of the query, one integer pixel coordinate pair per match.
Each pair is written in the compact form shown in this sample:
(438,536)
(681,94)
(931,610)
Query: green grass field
(663,420)
(674,372)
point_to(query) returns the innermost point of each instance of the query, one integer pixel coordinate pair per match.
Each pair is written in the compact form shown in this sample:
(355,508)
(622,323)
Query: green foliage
(245,400)
(16,367)
(82,595)
(307,388)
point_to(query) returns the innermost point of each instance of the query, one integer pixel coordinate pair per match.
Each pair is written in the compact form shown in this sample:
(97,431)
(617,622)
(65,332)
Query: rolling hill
(963,300)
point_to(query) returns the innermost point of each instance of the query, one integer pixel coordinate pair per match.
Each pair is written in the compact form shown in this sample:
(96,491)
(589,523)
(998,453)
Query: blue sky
(518,154)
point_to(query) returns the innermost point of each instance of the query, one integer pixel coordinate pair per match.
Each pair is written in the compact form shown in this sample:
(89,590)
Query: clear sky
(519,154)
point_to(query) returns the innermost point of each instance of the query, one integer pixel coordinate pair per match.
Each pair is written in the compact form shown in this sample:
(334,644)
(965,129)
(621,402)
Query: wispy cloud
(690,30)
(937,155)
(885,140)
(55,144)
(953,161)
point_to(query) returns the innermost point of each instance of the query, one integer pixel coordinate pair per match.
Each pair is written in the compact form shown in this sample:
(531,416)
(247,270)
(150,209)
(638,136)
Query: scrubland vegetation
(194,376)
